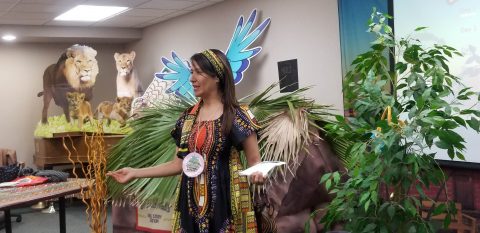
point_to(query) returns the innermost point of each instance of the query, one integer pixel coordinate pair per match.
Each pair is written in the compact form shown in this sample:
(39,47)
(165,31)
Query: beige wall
(304,29)
(21,80)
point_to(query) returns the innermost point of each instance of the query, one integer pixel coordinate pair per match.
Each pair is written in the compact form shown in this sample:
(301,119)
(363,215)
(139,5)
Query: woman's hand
(123,175)
(250,146)
(257,178)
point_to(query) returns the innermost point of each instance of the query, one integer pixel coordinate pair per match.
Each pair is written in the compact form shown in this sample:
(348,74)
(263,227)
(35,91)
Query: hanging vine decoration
(94,196)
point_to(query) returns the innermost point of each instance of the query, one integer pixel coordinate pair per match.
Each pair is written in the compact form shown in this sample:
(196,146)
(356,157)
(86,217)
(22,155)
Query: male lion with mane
(75,71)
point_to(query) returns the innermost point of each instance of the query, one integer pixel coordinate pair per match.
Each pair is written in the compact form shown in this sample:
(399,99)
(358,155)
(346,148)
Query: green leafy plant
(401,117)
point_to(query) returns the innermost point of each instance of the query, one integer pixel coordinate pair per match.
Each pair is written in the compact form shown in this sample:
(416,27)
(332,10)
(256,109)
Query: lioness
(75,71)
(79,108)
(128,84)
(115,111)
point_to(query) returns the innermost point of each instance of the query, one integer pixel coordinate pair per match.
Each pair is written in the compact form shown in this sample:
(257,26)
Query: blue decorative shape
(178,71)
(237,54)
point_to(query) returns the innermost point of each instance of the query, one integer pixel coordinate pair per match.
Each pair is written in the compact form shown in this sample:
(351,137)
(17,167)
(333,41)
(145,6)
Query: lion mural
(75,71)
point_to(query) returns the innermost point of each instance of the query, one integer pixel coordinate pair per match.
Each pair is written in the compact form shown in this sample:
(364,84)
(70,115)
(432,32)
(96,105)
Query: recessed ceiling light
(9,37)
(90,13)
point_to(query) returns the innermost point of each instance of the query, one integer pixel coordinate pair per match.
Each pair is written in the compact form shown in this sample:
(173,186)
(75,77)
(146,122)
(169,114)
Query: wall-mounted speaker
(288,75)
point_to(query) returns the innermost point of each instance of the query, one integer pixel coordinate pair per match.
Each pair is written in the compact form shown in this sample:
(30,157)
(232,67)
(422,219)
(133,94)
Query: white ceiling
(26,16)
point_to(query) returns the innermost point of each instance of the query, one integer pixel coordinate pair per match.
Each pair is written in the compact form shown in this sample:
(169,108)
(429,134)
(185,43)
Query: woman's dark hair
(226,85)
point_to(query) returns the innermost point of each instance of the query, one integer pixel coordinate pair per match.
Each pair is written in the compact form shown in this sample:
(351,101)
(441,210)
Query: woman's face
(203,84)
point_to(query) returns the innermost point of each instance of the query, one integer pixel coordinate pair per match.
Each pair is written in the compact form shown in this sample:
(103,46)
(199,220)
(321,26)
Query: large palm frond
(341,147)
(148,145)
(288,121)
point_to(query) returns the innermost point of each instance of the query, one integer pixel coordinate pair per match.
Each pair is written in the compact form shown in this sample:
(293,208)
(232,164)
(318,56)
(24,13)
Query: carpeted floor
(34,221)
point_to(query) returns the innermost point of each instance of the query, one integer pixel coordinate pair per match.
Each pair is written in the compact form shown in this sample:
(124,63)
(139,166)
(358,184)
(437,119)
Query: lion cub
(115,111)
(79,108)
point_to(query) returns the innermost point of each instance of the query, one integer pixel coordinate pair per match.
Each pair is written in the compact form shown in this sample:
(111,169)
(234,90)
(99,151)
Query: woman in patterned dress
(211,196)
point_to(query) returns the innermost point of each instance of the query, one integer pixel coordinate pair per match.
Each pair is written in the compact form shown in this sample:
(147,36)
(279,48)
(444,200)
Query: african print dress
(218,200)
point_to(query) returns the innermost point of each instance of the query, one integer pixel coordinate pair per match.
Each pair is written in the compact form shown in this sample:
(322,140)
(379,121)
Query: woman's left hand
(257,178)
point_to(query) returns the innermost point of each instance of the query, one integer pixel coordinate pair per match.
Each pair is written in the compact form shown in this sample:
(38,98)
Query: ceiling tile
(151,22)
(124,21)
(127,3)
(142,13)
(28,15)
(51,2)
(168,4)
(68,23)
(41,8)
(161,19)
(21,21)
(175,14)
(4,6)
(148,12)
(200,5)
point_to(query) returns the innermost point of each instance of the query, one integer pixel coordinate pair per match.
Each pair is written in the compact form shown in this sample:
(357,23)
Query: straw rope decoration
(95,196)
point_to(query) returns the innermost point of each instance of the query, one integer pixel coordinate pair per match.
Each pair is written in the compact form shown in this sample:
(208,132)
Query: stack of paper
(263,167)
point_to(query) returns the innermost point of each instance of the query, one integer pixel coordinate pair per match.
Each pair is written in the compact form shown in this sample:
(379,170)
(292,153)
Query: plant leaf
(419,28)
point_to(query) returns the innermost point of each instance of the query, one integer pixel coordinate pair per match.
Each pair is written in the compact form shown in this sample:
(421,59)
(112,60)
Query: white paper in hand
(263,167)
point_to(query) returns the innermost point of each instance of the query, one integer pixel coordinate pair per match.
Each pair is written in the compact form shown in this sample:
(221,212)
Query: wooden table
(11,198)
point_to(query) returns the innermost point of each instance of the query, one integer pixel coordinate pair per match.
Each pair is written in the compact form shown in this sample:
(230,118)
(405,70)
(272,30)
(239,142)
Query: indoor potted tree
(399,116)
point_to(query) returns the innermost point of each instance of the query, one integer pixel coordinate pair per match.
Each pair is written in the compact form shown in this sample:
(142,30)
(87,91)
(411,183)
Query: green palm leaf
(149,144)
(341,147)
(291,115)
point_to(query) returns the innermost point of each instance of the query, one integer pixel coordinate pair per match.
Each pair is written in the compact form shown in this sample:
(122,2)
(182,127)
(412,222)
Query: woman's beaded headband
(215,61)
